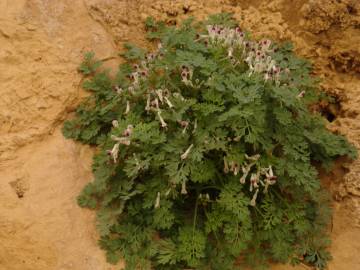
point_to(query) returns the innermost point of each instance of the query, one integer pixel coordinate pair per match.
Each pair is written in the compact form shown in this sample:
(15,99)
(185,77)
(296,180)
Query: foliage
(206,151)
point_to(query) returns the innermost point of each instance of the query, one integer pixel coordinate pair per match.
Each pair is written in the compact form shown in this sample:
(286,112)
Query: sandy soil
(41,44)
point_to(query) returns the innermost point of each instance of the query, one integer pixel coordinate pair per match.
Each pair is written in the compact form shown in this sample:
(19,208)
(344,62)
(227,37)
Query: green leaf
(191,245)
(167,252)
(202,172)
(89,64)
(133,52)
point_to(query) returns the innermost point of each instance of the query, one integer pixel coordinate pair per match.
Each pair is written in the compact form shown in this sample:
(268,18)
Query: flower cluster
(225,35)
(255,177)
(255,54)
(156,98)
(125,140)
(140,73)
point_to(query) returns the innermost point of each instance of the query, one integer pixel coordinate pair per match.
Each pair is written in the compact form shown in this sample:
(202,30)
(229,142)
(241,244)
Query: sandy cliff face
(41,45)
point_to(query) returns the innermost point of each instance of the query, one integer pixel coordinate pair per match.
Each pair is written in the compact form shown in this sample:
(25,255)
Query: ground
(41,45)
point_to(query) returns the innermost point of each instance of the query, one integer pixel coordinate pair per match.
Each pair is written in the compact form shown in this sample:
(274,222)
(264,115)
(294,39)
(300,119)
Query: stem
(257,209)
(195,217)
(214,232)
(181,166)
(171,83)
(196,210)
(108,58)
(278,195)
(207,187)
(219,177)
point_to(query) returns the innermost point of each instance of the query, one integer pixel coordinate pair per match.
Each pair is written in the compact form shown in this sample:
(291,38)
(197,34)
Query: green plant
(205,151)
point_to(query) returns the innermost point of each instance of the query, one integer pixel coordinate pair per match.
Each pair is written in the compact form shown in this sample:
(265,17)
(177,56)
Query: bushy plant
(206,151)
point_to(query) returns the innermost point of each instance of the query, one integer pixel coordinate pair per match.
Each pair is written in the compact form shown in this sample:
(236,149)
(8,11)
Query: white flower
(127,107)
(135,76)
(232,166)
(118,90)
(254,181)
(249,60)
(265,45)
(186,76)
(115,123)
(125,142)
(254,157)
(147,108)
(183,187)
(114,152)
(121,140)
(195,126)
(211,31)
(156,103)
(269,172)
(230,52)
(270,178)
(157,201)
(233,39)
(245,171)
(143,64)
(163,123)
(253,200)
(236,169)
(302,94)
(159,92)
(167,193)
(168,102)
(131,89)
(186,153)
(266,76)
(258,67)
(271,66)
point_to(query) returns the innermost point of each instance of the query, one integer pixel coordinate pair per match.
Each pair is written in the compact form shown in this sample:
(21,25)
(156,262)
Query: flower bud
(183,187)
(226,167)
(115,123)
(301,95)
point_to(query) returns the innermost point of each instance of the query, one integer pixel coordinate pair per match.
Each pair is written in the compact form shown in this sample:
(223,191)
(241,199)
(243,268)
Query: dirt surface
(41,45)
